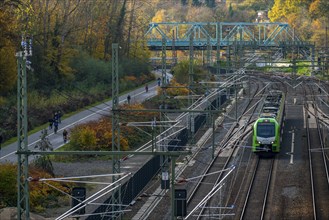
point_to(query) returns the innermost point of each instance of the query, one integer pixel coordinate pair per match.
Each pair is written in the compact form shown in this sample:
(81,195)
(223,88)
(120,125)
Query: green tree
(8,70)
(181,72)
(8,40)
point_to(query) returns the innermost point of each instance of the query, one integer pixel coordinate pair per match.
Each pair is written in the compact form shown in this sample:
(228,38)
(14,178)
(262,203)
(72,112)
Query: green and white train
(267,130)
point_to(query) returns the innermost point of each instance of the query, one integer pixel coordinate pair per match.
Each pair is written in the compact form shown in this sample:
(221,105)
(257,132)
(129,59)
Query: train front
(266,136)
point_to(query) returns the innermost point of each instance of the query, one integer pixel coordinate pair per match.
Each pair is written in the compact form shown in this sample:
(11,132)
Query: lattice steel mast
(23,200)
(116,196)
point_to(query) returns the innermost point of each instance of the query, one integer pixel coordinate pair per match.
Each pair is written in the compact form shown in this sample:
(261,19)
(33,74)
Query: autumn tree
(302,15)
(319,9)
(8,42)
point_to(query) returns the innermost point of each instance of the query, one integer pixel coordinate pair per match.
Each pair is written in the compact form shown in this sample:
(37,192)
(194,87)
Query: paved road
(8,153)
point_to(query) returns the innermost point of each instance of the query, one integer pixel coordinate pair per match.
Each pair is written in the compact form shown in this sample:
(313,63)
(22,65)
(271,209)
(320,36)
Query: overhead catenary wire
(69,179)
(212,192)
(93,197)
(208,174)
(76,177)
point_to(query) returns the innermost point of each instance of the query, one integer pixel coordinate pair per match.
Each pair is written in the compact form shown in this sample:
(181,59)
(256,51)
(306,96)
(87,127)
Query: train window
(265,130)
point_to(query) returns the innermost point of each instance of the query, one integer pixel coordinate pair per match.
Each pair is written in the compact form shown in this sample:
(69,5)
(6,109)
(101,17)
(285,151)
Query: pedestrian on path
(128,99)
(55,126)
(51,121)
(146,88)
(55,116)
(65,134)
(59,116)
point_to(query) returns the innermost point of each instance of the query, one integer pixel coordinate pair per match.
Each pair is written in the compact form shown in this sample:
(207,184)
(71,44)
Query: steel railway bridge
(225,34)
(233,37)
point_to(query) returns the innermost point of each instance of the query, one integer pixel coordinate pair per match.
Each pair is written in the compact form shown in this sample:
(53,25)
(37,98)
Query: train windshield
(265,130)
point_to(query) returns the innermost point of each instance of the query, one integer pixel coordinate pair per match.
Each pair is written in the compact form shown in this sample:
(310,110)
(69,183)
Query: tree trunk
(107,39)
(131,19)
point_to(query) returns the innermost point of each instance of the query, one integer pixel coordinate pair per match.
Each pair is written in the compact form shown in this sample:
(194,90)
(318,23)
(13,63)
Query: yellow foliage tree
(159,16)
(42,194)
(83,138)
(96,135)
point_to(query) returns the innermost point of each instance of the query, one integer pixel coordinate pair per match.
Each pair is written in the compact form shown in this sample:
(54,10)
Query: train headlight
(259,142)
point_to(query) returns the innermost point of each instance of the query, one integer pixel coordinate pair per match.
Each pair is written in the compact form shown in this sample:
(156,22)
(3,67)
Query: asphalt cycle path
(8,153)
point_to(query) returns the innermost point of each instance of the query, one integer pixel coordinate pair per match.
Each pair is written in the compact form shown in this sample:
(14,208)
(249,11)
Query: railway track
(318,162)
(200,155)
(210,183)
(202,203)
(208,209)
(255,204)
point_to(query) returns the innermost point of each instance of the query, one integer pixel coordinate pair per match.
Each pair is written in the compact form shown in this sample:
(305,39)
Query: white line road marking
(292,147)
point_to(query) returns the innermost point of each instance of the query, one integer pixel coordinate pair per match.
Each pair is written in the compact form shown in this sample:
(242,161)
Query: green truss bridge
(177,35)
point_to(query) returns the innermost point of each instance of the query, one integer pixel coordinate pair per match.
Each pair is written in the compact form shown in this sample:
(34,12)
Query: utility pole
(23,198)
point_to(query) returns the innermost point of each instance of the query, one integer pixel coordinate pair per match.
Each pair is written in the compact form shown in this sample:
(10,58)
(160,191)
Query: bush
(41,195)
(83,138)
(8,183)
